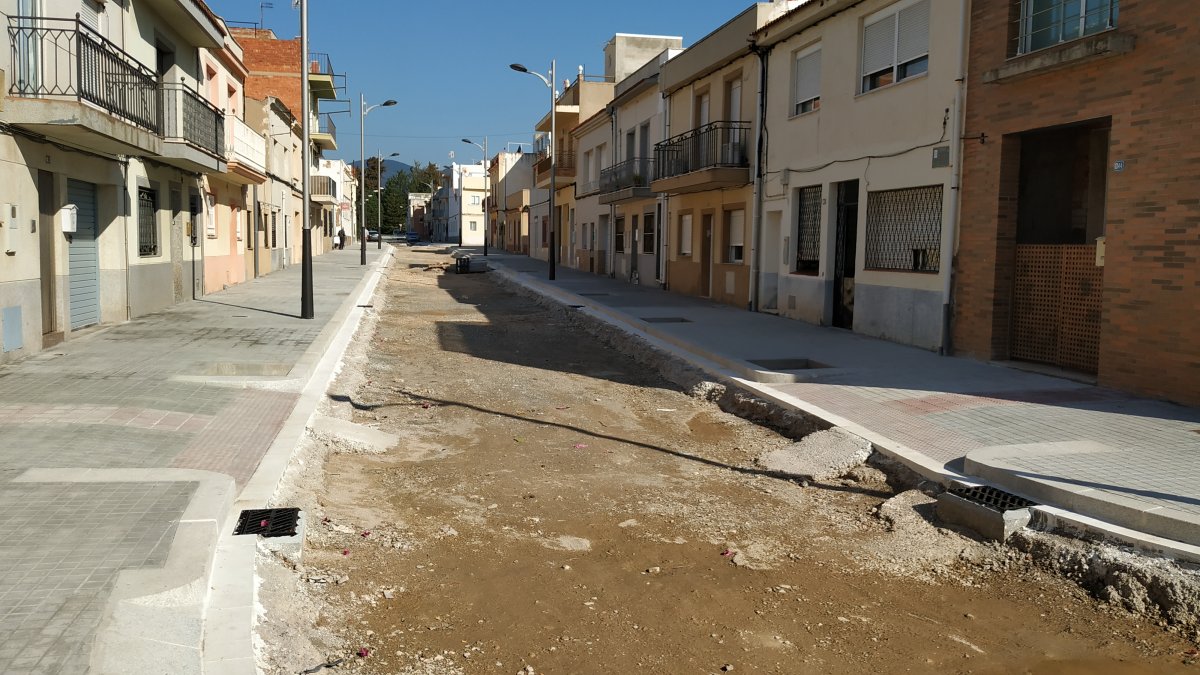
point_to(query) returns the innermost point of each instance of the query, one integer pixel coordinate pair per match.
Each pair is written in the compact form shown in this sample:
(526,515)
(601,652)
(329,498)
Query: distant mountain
(390,166)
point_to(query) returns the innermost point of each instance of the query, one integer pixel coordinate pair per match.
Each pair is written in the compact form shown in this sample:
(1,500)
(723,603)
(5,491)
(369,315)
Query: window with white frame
(895,44)
(735,236)
(1045,23)
(685,234)
(806,80)
(474,225)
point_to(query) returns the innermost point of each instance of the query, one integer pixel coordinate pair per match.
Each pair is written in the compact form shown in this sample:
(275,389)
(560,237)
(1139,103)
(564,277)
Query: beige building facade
(859,201)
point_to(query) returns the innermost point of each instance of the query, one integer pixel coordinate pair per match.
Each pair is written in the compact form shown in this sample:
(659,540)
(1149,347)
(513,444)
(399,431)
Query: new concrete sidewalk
(122,453)
(1096,458)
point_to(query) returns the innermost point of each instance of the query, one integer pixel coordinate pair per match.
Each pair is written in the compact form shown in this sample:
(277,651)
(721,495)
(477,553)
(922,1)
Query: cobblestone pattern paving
(65,544)
(137,395)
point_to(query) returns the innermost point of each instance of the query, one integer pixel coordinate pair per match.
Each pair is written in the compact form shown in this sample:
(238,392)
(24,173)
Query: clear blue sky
(447,62)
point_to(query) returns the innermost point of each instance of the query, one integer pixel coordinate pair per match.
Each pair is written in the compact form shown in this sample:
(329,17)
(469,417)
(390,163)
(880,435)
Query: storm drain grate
(593,295)
(665,319)
(992,498)
(268,522)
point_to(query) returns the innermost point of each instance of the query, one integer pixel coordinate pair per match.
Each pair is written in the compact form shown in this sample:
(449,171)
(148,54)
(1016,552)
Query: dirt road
(554,507)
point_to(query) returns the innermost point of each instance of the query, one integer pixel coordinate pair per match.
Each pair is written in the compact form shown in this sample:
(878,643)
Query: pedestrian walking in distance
(341,238)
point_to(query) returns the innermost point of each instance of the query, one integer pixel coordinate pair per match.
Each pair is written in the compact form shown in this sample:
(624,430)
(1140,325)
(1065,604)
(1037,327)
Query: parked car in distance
(412,237)
(372,235)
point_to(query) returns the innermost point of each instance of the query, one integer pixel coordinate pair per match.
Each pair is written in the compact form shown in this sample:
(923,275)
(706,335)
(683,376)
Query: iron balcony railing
(325,125)
(632,173)
(245,145)
(587,187)
(188,117)
(718,144)
(319,64)
(66,58)
(323,186)
(563,162)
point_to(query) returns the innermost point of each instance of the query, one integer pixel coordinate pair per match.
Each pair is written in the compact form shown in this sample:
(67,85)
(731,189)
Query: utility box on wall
(68,218)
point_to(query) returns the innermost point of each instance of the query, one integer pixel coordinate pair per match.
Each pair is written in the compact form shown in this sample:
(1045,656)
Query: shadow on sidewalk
(248,308)
(416,400)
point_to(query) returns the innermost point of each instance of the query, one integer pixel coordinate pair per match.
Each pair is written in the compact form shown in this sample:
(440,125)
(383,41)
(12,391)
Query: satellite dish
(451,154)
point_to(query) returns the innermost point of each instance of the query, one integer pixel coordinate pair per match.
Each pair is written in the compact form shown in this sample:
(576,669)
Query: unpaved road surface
(554,507)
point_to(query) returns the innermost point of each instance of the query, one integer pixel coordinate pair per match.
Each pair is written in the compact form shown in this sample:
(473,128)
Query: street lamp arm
(522,69)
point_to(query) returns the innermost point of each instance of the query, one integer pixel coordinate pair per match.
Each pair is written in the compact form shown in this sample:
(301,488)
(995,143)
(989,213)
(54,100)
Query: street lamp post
(553,160)
(362,156)
(486,190)
(306,253)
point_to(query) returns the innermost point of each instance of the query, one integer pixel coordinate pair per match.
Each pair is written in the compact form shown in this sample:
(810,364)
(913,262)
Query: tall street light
(486,191)
(362,155)
(553,160)
(306,252)
(379,211)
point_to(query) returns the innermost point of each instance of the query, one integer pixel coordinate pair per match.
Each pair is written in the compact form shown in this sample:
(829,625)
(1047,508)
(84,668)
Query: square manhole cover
(268,522)
(665,319)
(788,364)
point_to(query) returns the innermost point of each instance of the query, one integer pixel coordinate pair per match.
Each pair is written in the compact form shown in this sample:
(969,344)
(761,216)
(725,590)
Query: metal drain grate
(665,319)
(992,498)
(268,522)
(593,295)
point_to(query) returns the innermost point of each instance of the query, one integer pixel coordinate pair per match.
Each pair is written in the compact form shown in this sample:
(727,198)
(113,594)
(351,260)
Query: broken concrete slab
(819,456)
(367,438)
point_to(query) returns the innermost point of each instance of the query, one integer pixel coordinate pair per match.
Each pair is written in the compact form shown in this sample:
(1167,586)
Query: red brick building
(1080,224)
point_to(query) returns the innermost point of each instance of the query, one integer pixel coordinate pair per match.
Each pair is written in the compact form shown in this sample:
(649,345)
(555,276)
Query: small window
(895,45)
(648,233)
(806,82)
(1045,23)
(274,229)
(147,224)
(808,230)
(904,229)
(474,225)
(735,233)
(619,244)
(685,234)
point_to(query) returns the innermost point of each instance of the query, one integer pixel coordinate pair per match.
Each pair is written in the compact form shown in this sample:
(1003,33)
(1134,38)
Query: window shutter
(808,77)
(89,14)
(879,45)
(685,234)
(737,227)
(914,32)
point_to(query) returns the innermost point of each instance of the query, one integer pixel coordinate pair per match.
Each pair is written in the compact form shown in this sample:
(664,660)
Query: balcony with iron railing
(321,76)
(56,62)
(246,150)
(709,157)
(323,189)
(189,119)
(586,188)
(564,170)
(627,181)
(324,133)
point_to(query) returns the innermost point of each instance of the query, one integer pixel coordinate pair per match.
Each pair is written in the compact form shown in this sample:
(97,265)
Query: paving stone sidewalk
(205,385)
(1105,454)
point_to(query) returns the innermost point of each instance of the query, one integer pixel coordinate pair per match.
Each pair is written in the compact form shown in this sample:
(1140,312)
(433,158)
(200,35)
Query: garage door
(84,269)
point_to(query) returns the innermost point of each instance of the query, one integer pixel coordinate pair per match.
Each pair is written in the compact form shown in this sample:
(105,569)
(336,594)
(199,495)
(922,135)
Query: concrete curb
(228,647)
(728,371)
(717,367)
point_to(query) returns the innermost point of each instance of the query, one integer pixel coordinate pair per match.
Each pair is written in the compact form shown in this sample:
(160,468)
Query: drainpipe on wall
(950,237)
(759,161)
(254,230)
(125,208)
(612,208)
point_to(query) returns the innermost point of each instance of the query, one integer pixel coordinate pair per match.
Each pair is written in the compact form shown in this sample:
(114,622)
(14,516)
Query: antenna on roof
(261,7)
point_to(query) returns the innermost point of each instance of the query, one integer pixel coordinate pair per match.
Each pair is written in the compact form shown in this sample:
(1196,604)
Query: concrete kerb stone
(716,367)
(228,647)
